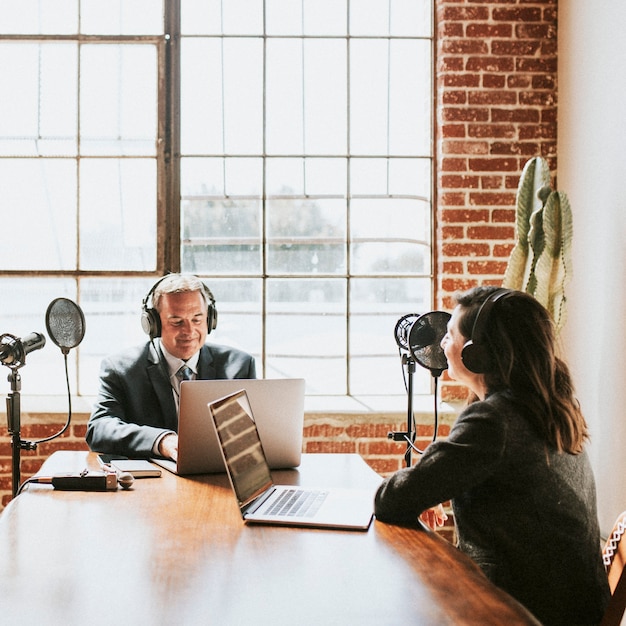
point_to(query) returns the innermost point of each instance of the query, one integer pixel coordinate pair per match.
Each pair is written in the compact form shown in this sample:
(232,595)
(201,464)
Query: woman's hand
(435,517)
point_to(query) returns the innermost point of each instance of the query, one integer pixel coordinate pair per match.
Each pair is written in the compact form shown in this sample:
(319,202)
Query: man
(136,412)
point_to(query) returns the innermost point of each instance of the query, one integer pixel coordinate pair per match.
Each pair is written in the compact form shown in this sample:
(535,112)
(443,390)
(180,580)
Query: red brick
(464,46)
(491,182)
(453,130)
(459,182)
(459,80)
(486,267)
(465,147)
(490,64)
(462,114)
(453,164)
(487,31)
(487,198)
(528,14)
(515,48)
(454,233)
(493,165)
(493,81)
(468,215)
(501,98)
(490,233)
(464,14)
(465,249)
(504,215)
(491,131)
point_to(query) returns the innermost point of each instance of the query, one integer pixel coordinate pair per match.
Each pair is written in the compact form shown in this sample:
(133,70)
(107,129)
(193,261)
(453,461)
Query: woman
(513,465)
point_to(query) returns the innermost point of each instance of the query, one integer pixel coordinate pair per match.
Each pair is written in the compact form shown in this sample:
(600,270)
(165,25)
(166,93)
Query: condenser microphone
(424,340)
(14,350)
(401,331)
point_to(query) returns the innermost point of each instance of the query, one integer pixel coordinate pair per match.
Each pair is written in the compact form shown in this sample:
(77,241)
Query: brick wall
(496,108)
(361,434)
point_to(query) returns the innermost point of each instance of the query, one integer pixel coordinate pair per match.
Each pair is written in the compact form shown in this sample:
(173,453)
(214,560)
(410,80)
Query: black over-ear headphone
(151,320)
(475,354)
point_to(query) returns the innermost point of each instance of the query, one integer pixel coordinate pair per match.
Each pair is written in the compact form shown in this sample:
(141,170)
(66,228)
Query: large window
(280,149)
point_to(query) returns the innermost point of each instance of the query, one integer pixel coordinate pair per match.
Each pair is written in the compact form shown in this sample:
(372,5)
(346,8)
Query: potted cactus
(540,262)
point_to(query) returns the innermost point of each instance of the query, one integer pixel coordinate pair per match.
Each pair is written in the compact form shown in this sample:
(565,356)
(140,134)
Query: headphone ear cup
(151,323)
(211,318)
(475,358)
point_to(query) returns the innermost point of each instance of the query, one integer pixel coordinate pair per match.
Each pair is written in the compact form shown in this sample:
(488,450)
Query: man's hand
(168,446)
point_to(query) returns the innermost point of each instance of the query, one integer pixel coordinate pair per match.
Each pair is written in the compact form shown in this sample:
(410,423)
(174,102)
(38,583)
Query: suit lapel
(162,388)
(206,369)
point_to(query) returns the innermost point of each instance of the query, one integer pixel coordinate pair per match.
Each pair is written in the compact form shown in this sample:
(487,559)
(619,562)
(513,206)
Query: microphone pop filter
(65,323)
(425,338)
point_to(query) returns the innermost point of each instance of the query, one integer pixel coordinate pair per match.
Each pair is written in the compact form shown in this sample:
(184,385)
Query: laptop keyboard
(298,503)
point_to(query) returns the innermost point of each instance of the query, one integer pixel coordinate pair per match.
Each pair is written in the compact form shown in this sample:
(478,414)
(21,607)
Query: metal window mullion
(169,206)
(264,274)
(348,205)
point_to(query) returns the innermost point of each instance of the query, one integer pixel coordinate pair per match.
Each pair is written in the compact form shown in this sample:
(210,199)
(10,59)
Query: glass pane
(222,96)
(400,18)
(239,321)
(399,244)
(325,97)
(205,178)
(390,101)
(306,332)
(112,308)
(118,214)
(38,108)
(309,17)
(215,17)
(221,215)
(25,302)
(120,17)
(39,200)
(369,97)
(26,17)
(118,99)
(376,306)
(306,236)
(410,98)
(384,177)
(202,98)
(284,97)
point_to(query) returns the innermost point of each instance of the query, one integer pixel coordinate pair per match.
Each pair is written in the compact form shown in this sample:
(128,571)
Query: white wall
(592,171)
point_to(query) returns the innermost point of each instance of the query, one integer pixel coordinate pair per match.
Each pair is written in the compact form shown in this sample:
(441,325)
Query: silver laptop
(279,409)
(260,500)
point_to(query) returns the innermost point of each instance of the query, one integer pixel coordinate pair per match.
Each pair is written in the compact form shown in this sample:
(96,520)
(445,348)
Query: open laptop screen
(241,445)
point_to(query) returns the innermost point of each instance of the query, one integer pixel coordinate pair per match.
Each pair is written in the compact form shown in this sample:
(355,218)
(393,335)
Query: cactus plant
(540,262)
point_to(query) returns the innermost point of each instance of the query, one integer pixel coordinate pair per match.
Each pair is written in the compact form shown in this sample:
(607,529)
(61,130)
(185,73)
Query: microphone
(425,338)
(13,351)
(421,335)
(401,331)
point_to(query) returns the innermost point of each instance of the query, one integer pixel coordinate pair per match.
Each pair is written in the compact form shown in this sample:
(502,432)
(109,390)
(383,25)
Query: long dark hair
(521,341)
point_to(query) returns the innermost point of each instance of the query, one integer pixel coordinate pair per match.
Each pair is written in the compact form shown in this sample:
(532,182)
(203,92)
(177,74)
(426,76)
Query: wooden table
(175,551)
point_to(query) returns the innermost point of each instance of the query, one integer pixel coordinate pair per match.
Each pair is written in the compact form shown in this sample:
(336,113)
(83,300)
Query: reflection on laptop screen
(243,452)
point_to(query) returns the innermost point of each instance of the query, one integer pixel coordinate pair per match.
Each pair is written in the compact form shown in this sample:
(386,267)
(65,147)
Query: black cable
(69,402)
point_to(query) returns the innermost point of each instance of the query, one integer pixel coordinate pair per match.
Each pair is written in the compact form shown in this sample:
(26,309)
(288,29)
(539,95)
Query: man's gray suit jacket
(136,404)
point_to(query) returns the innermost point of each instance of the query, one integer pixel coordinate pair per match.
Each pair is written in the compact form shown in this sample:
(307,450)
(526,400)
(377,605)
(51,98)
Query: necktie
(184,373)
